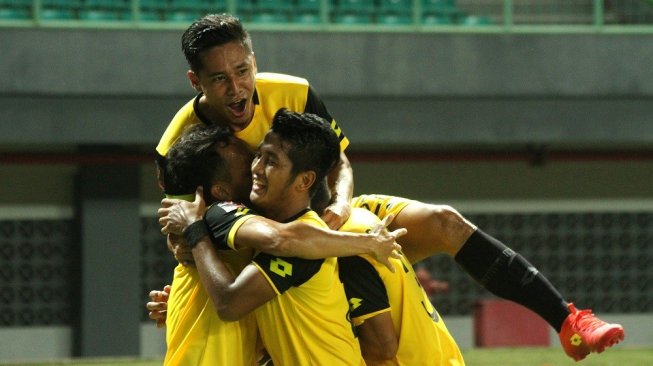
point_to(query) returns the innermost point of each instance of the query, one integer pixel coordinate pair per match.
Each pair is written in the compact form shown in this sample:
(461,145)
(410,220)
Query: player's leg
(434,229)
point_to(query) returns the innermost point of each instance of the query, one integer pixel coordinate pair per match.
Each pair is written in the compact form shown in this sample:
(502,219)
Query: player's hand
(176,215)
(336,214)
(182,252)
(158,307)
(388,247)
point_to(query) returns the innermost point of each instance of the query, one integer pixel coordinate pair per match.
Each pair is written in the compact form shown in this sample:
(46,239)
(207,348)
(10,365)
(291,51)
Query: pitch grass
(473,357)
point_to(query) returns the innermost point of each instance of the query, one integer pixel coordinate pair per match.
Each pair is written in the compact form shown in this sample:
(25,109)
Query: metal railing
(494,16)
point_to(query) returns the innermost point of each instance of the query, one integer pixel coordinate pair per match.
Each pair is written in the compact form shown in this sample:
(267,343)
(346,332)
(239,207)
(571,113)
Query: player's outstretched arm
(295,239)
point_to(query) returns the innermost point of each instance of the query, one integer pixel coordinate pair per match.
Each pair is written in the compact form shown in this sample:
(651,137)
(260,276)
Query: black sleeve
(286,272)
(220,219)
(364,288)
(315,105)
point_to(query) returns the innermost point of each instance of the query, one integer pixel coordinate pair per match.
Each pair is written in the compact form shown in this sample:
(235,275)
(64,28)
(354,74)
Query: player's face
(271,175)
(228,81)
(239,161)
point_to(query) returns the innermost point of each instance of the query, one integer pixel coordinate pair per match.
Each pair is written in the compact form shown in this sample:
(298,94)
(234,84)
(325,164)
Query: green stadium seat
(401,6)
(307,12)
(191,10)
(153,10)
(274,5)
(354,12)
(476,20)
(60,9)
(352,18)
(15,9)
(306,17)
(435,19)
(439,6)
(440,12)
(308,5)
(394,18)
(105,10)
(356,5)
(269,17)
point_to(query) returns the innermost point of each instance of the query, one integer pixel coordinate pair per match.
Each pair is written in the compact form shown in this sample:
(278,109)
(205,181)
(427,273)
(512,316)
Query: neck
(286,209)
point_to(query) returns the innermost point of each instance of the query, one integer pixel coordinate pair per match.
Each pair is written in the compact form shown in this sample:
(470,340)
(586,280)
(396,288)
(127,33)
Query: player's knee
(451,225)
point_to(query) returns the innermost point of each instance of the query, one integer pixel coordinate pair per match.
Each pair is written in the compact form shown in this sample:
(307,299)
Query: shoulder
(271,78)
(220,210)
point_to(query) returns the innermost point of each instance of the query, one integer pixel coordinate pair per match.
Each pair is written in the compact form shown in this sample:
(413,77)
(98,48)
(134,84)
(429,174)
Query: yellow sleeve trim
(361,319)
(267,278)
(234,230)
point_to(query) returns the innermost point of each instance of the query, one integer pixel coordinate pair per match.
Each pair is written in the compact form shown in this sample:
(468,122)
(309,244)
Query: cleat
(583,333)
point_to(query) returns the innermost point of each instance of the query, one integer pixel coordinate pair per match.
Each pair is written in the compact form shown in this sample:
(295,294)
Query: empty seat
(353,11)
(191,10)
(153,10)
(15,9)
(105,10)
(476,20)
(60,9)
(436,19)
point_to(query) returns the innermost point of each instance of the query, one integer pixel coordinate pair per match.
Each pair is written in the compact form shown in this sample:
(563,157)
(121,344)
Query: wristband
(195,232)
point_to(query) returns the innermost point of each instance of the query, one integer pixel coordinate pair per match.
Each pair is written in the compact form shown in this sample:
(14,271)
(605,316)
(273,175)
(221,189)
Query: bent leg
(432,229)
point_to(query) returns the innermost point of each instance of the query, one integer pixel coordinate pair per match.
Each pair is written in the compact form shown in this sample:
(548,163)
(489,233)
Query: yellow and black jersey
(308,322)
(372,289)
(273,92)
(195,335)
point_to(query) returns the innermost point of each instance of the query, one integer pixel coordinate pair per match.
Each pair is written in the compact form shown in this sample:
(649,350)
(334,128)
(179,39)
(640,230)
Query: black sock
(509,275)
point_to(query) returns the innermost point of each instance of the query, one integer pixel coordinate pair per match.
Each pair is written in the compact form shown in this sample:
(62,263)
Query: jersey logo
(336,128)
(229,206)
(281,267)
(240,211)
(354,303)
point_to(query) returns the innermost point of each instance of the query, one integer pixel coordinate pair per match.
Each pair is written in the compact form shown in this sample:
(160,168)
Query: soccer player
(396,322)
(300,305)
(211,157)
(231,93)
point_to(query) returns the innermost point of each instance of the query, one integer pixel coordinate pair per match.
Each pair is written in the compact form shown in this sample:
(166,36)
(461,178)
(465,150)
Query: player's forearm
(310,242)
(214,275)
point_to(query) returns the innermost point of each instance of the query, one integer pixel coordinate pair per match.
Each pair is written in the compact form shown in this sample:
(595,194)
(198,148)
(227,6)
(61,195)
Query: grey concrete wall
(69,86)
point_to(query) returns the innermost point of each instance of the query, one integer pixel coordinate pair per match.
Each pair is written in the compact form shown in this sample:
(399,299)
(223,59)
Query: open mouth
(238,108)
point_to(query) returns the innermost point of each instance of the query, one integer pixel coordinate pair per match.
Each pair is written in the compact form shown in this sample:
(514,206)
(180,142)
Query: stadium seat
(352,18)
(440,11)
(15,9)
(307,12)
(354,12)
(402,6)
(436,19)
(60,9)
(394,18)
(190,10)
(395,12)
(269,17)
(153,10)
(476,20)
(105,10)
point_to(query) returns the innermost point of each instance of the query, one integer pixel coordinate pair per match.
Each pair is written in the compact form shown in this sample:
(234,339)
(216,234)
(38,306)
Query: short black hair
(310,141)
(210,31)
(192,161)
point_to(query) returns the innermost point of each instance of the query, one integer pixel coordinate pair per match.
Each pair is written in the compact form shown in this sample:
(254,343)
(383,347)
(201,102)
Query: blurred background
(532,118)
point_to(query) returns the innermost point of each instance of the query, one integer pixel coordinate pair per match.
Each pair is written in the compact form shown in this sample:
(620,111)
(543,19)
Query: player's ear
(194,80)
(254,63)
(221,192)
(305,180)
